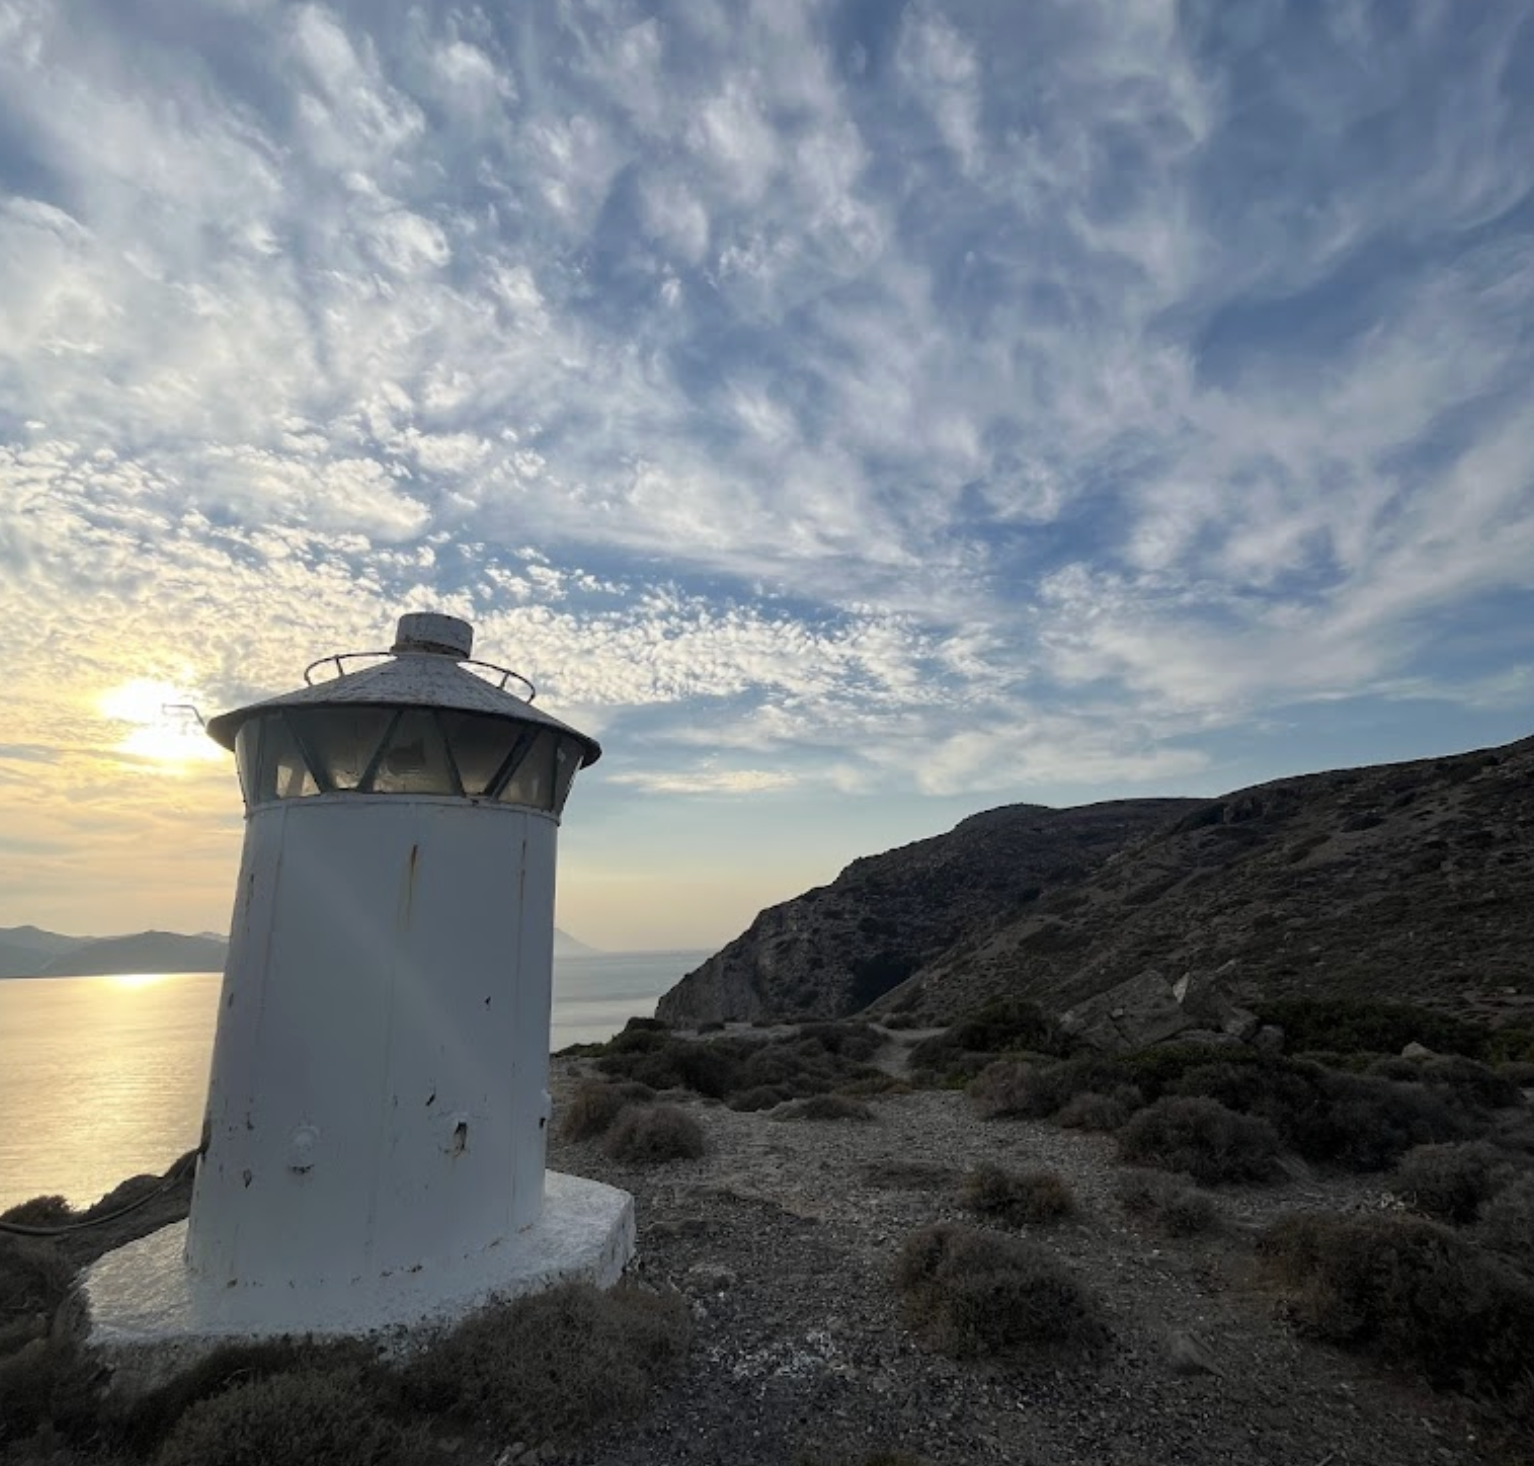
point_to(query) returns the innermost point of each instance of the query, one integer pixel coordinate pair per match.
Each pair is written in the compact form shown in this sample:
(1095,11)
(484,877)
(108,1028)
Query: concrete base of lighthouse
(141,1314)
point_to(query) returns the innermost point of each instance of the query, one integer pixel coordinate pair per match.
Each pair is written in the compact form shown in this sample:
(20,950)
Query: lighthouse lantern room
(378,1105)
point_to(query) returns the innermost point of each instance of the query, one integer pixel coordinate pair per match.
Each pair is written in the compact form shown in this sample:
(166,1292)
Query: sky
(855,414)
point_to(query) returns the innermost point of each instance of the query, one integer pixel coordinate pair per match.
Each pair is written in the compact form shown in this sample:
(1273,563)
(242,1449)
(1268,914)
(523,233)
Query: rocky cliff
(1410,881)
(837,948)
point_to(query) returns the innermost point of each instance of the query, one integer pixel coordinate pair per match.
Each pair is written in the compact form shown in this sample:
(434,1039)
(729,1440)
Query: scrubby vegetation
(596,1104)
(1203,1138)
(1413,1293)
(655,1133)
(1363,1122)
(551,1365)
(748,1071)
(1359,1026)
(974,1293)
(539,1369)
(1167,1203)
(1451,1183)
(287,1419)
(1002,1026)
(1016,1198)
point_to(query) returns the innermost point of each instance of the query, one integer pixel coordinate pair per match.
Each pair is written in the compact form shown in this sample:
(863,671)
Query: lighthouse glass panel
(480,747)
(273,762)
(533,782)
(414,758)
(566,761)
(342,742)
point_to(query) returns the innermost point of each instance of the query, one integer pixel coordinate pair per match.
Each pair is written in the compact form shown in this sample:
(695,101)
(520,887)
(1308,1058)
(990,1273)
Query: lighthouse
(378,1103)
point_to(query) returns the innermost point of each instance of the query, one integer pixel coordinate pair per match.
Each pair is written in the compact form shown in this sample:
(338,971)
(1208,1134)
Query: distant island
(29,951)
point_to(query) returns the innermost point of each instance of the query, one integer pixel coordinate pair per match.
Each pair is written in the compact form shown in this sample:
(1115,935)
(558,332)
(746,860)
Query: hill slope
(838,947)
(1409,881)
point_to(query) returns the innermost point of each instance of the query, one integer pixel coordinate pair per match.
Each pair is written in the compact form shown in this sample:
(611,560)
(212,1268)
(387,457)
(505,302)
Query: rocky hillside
(837,948)
(1409,881)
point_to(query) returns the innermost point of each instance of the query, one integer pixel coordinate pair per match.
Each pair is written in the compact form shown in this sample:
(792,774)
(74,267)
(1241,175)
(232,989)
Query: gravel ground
(784,1236)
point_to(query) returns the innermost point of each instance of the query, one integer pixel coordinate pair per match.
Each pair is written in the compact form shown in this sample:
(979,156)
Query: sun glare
(156,729)
(135,980)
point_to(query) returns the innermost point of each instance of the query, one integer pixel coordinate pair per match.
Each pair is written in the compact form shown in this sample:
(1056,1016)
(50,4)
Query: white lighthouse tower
(378,1105)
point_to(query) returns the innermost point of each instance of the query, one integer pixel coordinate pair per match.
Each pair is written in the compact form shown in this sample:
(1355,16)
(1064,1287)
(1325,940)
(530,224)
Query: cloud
(916,401)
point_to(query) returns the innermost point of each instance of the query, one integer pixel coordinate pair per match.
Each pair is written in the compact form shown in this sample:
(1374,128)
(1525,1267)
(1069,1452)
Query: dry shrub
(553,1364)
(141,1422)
(1005,1090)
(1091,1110)
(596,1104)
(761,1097)
(1450,1183)
(1036,1090)
(1201,1137)
(1017,1198)
(290,1419)
(825,1107)
(974,1293)
(1507,1222)
(34,1277)
(1168,1203)
(40,1211)
(48,1382)
(1413,1293)
(654,1133)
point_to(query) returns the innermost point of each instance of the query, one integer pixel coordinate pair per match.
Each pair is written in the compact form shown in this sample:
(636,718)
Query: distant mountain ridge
(1408,882)
(29,951)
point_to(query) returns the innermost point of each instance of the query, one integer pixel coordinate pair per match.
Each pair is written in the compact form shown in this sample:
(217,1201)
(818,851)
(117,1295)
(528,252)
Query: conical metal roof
(428,666)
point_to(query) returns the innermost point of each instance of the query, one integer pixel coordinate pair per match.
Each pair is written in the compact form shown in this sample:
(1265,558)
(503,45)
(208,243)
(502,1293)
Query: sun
(157,724)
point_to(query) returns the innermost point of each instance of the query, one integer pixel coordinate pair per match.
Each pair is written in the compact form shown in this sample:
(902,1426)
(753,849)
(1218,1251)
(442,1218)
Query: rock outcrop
(1405,881)
(837,948)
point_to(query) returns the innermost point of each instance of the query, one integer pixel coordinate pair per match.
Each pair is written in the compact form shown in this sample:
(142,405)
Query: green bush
(1367,1124)
(141,1422)
(1091,1110)
(548,1366)
(34,1277)
(1450,1183)
(1017,1088)
(47,1382)
(1413,1293)
(1201,1137)
(291,1419)
(654,1133)
(974,1293)
(1004,1025)
(1016,1198)
(744,1070)
(596,1104)
(1379,1028)
(1168,1203)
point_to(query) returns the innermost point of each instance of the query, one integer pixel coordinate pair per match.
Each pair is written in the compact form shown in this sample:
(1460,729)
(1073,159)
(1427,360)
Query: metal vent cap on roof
(430,631)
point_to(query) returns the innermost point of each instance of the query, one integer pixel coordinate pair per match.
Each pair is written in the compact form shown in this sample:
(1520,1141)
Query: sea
(102,1078)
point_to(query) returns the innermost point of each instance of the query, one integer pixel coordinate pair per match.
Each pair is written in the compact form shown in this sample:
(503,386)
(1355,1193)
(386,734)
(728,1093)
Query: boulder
(1415,1050)
(1203,999)
(1133,1015)
(1242,1025)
